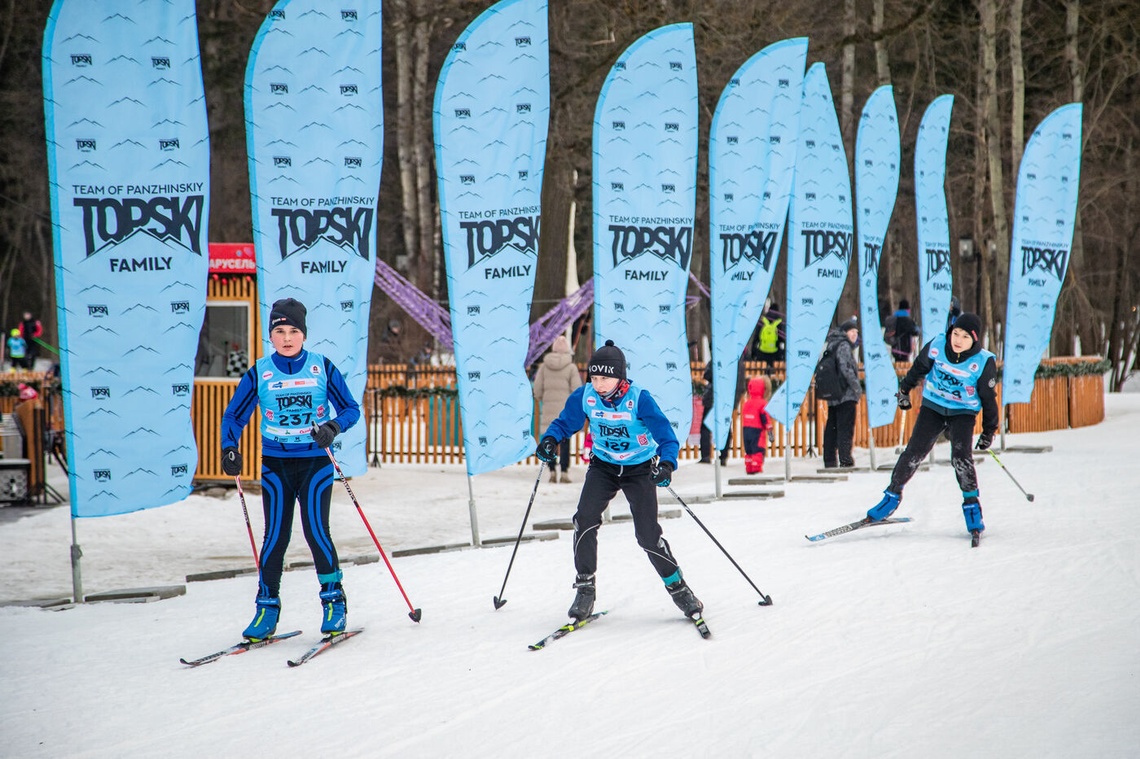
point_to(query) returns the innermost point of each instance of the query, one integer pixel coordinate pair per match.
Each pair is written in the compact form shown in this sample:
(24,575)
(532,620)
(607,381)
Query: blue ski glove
(985,440)
(547,450)
(903,399)
(325,434)
(662,474)
(231,461)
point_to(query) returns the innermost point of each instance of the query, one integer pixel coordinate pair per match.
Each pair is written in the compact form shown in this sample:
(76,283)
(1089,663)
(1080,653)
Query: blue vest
(619,436)
(954,387)
(17,348)
(291,403)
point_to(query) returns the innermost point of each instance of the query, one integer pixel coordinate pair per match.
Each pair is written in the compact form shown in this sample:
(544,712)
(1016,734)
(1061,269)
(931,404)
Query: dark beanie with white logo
(607,361)
(288,312)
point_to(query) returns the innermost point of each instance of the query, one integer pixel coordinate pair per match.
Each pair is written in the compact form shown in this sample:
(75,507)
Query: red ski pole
(248,526)
(414,613)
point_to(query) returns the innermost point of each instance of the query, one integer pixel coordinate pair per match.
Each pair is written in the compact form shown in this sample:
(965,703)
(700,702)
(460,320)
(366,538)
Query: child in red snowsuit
(755,423)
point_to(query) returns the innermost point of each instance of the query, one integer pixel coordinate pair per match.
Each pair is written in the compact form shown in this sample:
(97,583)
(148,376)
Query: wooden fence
(412,416)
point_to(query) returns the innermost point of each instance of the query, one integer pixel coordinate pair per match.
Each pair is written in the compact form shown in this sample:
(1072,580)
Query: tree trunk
(1017,83)
(405,142)
(847,95)
(554,231)
(992,131)
(882,64)
(982,303)
(1077,93)
(427,266)
(1122,327)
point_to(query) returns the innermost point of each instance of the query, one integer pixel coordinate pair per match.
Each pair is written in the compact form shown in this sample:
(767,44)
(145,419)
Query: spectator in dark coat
(839,431)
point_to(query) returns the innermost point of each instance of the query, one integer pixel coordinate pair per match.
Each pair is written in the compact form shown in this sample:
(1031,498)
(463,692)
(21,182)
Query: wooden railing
(412,416)
(210,399)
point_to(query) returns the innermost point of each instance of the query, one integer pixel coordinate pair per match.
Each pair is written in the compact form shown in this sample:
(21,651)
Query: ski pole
(1028,496)
(499,600)
(765,599)
(414,613)
(248,526)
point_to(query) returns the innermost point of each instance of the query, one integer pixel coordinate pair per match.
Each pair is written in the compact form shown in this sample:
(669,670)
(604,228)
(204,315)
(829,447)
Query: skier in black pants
(635,451)
(296,389)
(960,380)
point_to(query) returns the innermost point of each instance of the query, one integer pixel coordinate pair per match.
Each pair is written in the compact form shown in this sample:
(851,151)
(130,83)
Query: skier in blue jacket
(960,377)
(298,391)
(634,450)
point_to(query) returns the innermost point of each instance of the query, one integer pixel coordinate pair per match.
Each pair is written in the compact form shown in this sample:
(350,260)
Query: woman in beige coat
(556,378)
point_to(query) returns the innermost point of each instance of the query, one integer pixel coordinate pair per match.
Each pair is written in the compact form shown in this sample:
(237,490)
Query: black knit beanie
(607,361)
(969,323)
(289,312)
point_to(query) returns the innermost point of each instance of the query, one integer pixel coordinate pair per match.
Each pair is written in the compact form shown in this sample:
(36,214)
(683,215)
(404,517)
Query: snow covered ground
(898,641)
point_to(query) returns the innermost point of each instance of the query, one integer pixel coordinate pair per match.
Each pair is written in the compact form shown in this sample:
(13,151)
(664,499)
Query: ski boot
(885,507)
(583,605)
(683,596)
(334,606)
(264,622)
(972,511)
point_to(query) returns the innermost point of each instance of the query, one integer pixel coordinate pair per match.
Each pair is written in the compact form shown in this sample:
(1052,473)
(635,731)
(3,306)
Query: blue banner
(820,241)
(492,107)
(314,133)
(645,195)
(1044,216)
(935,280)
(752,154)
(877,161)
(128,161)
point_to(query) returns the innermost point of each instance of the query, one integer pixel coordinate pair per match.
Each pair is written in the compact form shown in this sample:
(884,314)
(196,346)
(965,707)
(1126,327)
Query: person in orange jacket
(755,424)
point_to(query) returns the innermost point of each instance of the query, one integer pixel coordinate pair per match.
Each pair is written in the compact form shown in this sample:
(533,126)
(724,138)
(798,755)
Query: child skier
(296,390)
(960,379)
(629,432)
(755,423)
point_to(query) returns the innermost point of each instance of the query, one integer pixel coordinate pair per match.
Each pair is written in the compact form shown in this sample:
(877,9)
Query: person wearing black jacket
(839,429)
(960,380)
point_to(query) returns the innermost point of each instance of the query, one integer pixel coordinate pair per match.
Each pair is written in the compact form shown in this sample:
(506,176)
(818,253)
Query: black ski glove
(985,440)
(325,434)
(231,461)
(662,474)
(547,450)
(903,399)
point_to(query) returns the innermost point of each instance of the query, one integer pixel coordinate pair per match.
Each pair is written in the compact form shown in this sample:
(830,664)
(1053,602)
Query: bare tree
(991,133)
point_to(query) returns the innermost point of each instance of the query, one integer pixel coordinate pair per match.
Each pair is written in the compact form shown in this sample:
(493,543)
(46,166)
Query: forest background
(1007,63)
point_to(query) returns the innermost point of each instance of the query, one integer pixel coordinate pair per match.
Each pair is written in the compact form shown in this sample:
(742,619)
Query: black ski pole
(499,600)
(415,613)
(766,600)
(1028,496)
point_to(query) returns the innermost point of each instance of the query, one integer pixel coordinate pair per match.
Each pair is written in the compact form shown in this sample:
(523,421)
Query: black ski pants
(603,480)
(284,482)
(839,434)
(929,425)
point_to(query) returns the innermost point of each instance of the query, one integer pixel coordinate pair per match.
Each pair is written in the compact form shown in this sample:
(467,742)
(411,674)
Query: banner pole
(788,430)
(76,573)
(716,474)
(475,541)
(871,442)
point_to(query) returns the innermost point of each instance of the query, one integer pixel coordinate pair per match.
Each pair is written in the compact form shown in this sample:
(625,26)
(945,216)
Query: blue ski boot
(264,622)
(972,511)
(334,607)
(885,507)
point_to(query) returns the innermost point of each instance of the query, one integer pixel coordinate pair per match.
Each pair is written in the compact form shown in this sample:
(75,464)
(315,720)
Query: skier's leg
(962,458)
(600,485)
